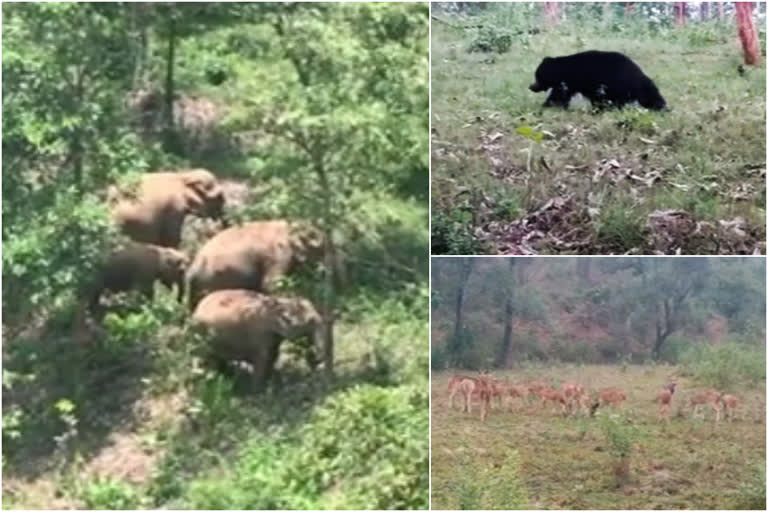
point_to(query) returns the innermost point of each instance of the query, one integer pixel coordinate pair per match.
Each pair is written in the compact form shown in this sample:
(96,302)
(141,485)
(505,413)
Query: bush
(753,492)
(366,448)
(490,488)
(725,365)
(452,233)
(105,494)
(490,39)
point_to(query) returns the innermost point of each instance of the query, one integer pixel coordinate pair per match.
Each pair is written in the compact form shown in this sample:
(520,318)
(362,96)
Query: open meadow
(512,177)
(528,456)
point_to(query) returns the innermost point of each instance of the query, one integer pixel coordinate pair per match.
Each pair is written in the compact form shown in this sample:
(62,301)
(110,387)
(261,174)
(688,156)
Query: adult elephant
(155,213)
(252,256)
(244,325)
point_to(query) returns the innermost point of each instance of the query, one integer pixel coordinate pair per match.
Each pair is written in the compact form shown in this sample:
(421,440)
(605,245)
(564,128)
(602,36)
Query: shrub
(489,39)
(106,494)
(365,448)
(753,492)
(725,365)
(489,487)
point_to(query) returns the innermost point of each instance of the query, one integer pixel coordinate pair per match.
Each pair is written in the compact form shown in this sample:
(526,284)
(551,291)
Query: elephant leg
(170,231)
(272,355)
(148,291)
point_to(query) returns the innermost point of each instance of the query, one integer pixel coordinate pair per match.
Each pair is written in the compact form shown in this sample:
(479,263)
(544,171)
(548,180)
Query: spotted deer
(611,396)
(464,385)
(732,404)
(665,400)
(573,393)
(710,397)
(551,395)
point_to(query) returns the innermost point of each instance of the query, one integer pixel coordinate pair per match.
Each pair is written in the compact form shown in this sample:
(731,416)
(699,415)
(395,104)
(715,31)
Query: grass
(569,463)
(498,154)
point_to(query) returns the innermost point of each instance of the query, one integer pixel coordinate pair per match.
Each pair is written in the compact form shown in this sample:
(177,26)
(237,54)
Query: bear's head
(543,80)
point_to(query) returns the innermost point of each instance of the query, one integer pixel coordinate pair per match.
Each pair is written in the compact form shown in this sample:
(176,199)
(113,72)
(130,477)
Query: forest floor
(510,177)
(566,463)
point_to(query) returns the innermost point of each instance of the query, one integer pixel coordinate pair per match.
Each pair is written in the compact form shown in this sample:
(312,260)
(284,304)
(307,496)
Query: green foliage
(362,448)
(637,120)
(452,233)
(321,110)
(529,133)
(490,39)
(53,252)
(483,487)
(107,494)
(752,495)
(725,365)
(619,434)
(568,350)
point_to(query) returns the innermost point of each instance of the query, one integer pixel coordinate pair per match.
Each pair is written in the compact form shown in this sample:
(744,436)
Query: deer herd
(573,397)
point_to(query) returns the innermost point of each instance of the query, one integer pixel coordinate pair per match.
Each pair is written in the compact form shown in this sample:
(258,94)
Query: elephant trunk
(180,285)
(317,349)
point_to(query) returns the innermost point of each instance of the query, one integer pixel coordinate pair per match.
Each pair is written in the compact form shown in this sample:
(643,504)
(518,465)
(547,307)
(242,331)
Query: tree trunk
(704,11)
(584,269)
(505,353)
(169,83)
(680,13)
(329,295)
(465,270)
(747,33)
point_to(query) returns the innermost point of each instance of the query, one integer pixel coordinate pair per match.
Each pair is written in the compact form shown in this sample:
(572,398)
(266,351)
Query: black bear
(604,78)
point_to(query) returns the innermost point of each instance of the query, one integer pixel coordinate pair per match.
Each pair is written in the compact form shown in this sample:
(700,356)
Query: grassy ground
(565,463)
(511,177)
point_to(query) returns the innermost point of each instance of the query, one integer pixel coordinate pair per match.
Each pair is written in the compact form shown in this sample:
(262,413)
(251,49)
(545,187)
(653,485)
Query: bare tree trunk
(464,272)
(169,82)
(505,353)
(680,13)
(584,269)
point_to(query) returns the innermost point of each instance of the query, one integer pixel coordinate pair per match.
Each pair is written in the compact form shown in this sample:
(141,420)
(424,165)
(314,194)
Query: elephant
(138,266)
(249,326)
(252,256)
(155,214)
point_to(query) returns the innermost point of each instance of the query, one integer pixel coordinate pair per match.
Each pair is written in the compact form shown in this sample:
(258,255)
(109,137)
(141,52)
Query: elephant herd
(230,281)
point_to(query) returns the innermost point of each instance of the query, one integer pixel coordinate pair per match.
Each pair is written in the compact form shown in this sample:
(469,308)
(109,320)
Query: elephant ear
(194,198)
(203,193)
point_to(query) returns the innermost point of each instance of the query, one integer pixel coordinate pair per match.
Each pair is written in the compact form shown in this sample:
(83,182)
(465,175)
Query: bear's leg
(559,96)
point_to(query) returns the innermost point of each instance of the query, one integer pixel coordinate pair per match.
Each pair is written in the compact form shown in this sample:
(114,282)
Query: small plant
(620,437)
(66,411)
(636,120)
(753,492)
(490,488)
(452,233)
(489,39)
(106,494)
(619,227)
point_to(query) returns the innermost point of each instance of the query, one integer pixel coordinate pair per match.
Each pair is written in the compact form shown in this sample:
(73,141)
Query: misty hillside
(592,309)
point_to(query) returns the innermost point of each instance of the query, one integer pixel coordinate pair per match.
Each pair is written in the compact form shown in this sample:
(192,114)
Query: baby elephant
(138,266)
(249,326)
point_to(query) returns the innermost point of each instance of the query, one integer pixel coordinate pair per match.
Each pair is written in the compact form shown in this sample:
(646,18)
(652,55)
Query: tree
(747,34)
(66,67)
(673,284)
(465,266)
(505,352)
(345,110)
